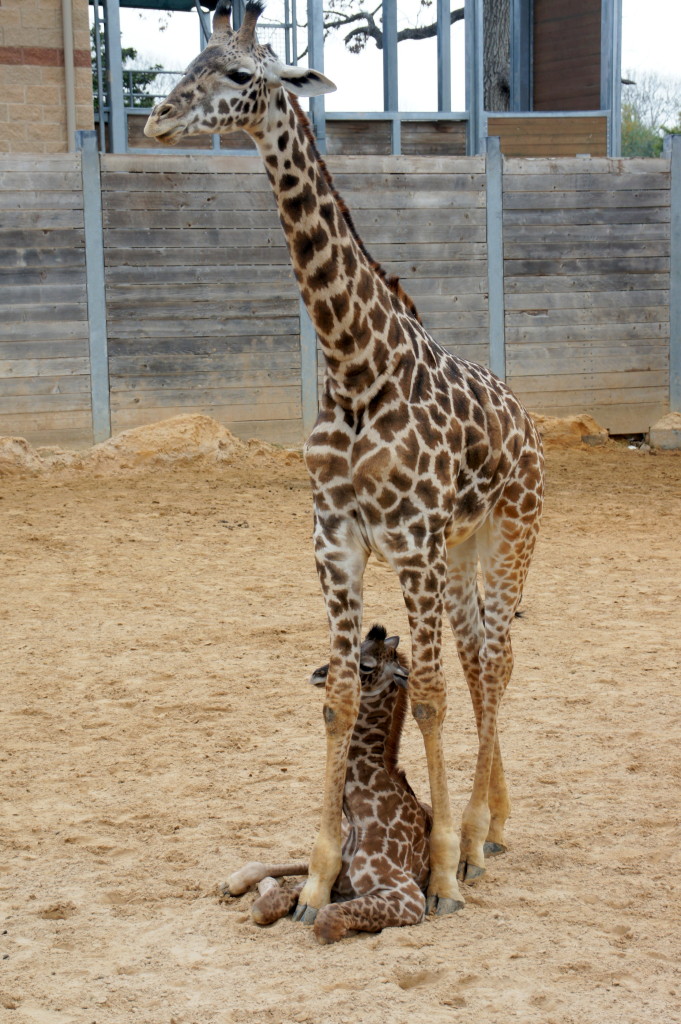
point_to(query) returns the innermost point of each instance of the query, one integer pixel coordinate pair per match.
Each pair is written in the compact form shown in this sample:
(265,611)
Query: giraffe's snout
(161,123)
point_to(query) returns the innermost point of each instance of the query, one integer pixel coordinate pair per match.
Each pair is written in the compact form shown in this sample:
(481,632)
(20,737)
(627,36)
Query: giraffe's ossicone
(423,459)
(385,855)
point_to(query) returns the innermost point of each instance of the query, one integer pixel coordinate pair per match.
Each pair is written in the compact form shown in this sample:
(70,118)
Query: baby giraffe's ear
(318,677)
(303,81)
(392,641)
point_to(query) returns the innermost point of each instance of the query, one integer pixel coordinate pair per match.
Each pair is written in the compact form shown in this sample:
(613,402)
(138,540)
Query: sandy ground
(157,629)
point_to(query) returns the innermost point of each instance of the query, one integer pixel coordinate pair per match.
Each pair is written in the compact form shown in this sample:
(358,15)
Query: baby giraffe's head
(230,84)
(381,667)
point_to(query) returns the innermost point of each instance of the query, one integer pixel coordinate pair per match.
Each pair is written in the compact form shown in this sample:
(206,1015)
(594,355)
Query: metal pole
(675,278)
(86,142)
(118,122)
(101,93)
(444,56)
(390,78)
(495,257)
(315,50)
(69,74)
(611,73)
(521,55)
(294,32)
(474,105)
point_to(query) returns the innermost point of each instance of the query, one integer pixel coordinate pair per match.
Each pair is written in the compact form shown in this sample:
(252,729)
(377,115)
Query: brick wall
(32,85)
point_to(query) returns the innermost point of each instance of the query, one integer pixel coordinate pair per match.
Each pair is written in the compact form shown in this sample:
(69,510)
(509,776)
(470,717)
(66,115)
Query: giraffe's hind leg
(273,902)
(250,874)
(395,907)
(465,610)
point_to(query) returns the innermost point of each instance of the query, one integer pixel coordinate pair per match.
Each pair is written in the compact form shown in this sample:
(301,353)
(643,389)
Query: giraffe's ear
(318,677)
(303,81)
(392,641)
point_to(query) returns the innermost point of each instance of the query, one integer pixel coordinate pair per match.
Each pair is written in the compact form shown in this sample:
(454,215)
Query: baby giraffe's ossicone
(385,856)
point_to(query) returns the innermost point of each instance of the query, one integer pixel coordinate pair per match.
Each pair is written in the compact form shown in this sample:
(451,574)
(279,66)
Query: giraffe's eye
(239,77)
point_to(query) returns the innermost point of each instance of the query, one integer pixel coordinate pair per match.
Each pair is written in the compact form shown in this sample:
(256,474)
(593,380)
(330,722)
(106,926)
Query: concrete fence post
(495,257)
(86,142)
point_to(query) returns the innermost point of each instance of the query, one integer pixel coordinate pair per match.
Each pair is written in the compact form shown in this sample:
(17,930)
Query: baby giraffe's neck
(359,314)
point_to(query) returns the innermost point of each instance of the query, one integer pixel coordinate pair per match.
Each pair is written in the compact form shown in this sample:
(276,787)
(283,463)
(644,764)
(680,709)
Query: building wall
(32,79)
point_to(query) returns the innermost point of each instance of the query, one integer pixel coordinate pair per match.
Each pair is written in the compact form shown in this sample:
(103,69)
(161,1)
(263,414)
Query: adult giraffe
(424,459)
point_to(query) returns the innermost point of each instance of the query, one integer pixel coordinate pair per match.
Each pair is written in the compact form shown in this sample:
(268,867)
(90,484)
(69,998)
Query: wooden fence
(162,284)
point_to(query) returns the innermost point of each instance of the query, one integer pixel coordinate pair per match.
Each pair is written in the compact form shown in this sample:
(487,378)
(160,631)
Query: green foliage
(638,139)
(137,84)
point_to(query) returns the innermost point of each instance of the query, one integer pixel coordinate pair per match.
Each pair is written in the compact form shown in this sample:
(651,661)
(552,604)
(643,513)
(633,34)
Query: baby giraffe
(385,853)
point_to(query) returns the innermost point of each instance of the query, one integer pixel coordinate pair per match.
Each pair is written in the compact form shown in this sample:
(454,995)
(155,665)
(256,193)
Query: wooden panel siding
(550,136)
(566,55)
(44,359)
(587,287)
(202,308)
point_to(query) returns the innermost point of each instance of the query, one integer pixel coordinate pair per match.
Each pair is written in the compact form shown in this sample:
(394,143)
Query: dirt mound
(181,440)
(672,421)
(568,431)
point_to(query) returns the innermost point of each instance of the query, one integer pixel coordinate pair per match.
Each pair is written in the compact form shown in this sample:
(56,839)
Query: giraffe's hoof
(305,914)
(493,849)
(469,872)
(440,905)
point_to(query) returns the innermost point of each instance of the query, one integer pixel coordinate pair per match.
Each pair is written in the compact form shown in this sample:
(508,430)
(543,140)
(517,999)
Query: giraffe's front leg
(424,599)
(341,560)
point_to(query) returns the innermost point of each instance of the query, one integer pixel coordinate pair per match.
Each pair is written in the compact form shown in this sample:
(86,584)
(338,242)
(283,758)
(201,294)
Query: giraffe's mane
(391,280)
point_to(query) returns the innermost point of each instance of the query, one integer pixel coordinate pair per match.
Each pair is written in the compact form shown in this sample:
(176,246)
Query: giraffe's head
(230,84)
(382,670)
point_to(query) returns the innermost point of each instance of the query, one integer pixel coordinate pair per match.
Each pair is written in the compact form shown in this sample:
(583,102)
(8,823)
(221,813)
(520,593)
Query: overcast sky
(650,42)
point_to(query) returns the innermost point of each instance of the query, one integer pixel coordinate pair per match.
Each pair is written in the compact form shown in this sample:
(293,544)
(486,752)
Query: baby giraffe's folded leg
(389,909)
(274,901)
(250,874)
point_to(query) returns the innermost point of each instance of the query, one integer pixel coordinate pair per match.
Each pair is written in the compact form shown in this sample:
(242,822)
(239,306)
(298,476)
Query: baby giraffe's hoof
(305,914)
(493,849)
(440,905)
(469,872)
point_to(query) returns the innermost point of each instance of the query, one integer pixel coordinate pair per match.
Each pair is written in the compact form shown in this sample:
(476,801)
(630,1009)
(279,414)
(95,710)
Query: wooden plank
(606,234)
(631,167)
(40,201)
(42,220)
(224,238)
(49,403)
(417,198)
(273,276)
(204,381)
(47,349)
(620,199)
(190,219)
(402,181)
(227,365)
(570,266)
(531,359)
(179,256)
(548,317)
(262,345)
(198,308)
(39,181)
(453,304)
(588,180)
(612,248)
(639,217)
(589,332)
(54,369)
(615,381)
(182,199)
(23,163)
(207,327)
(48,427)
(581,399)
(124,418)
(44,313)
(33,256)
(39,293)
(582,298)
(623,282)
(25,386)
(55,332)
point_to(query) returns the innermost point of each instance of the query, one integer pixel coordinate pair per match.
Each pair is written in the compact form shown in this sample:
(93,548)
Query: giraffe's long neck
(359,314)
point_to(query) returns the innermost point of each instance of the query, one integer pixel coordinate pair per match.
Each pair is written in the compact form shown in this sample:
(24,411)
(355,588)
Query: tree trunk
(497,54)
